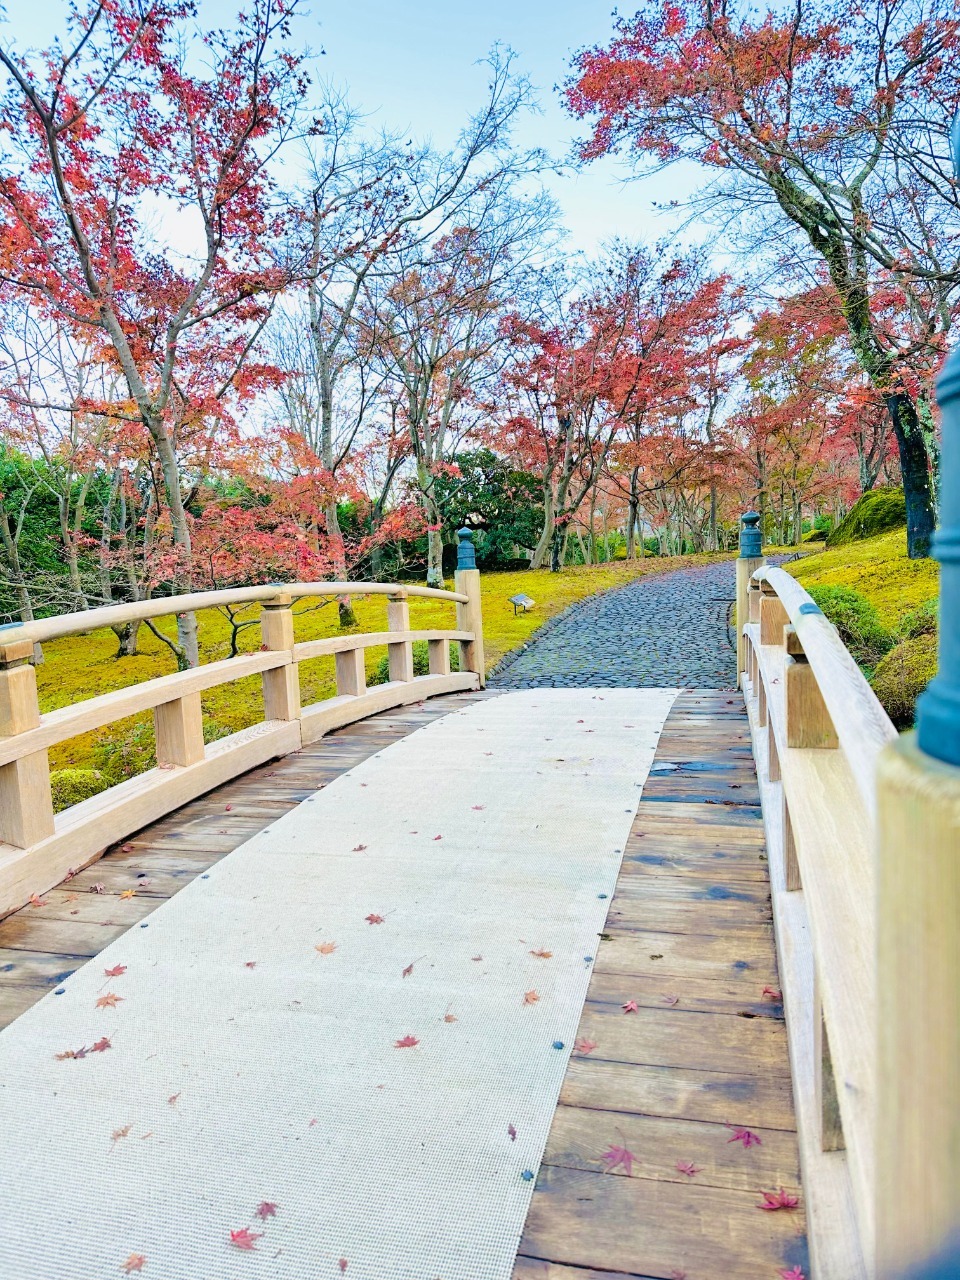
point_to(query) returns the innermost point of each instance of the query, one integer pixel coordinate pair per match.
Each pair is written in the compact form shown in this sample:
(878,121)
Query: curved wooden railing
(818,733)
(39,849)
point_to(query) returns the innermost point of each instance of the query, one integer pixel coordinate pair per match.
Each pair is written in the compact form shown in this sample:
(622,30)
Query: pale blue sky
(414,65)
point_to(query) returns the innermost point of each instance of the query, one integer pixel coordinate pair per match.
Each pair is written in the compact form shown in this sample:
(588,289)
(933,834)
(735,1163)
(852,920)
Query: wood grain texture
(689,939)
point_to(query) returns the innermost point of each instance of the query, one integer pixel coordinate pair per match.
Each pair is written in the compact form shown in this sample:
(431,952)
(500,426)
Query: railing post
(773,616)
(808,721)
(749,560)
(351,672)
(26,807)
(918,924)
(469,615)
(399,656)
(281,685)
(178,726)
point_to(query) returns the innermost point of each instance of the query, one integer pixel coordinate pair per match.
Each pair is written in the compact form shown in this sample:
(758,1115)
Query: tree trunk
(915,469)
(347,616)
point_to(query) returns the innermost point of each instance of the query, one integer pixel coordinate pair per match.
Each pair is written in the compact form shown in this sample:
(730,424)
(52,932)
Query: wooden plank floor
(41,946)
(689,939)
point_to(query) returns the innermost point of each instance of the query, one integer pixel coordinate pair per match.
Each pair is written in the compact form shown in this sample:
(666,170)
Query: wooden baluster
(761,703)
(439,657)
(281,686)
(773,616)
(26,807)
(753,600)
(749,560)
(791,865)
(807,717)
(179,730)
(773,756)
(351,672)
(399,656)
(469,615)
(828,1106)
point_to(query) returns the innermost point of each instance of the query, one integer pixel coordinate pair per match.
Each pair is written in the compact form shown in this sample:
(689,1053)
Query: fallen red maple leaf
(343,1264)
(109,1001)
(266,1209)
(373,919)
(794,1273)
(326,948)
(173,1099)
(771,993)
(530,997)
(779,1199)
(478,806)
(37,902)
(358,848)
(71,1053)
(249,964)
(512,1132)
(583,1045)
(449,1017)
(116,971)
(670,999)
(136,1262)
(687,1167)
(101,1046)
(618,1157)
(748,1138)
(245,1239)
(630,1007)
(438,837)
(227,808)
(542,955)
(406,1043)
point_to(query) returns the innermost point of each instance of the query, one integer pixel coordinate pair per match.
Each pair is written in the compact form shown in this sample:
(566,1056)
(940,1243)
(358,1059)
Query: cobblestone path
(668,631)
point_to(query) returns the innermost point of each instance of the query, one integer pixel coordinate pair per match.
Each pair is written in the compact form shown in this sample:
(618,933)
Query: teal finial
(750,540)
(466,555)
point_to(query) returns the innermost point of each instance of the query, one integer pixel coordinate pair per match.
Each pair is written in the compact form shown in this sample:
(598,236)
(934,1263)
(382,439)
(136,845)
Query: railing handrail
(861,724)
(66,624)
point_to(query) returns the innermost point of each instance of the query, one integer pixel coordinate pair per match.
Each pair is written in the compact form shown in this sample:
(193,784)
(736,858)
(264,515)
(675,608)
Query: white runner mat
(341,1050)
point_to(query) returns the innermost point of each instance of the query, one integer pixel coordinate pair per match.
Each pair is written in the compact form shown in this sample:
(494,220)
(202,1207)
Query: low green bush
(902,676)
(921,622)
(70,786)
(421,662)
(857,621)
(876,511)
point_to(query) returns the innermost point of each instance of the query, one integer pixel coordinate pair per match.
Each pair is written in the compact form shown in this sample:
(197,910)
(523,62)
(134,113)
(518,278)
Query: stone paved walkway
(668,631)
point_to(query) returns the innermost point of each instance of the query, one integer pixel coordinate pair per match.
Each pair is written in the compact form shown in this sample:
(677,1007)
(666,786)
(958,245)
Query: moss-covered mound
(857,621)
(875,512)
(902,676)
(70,786)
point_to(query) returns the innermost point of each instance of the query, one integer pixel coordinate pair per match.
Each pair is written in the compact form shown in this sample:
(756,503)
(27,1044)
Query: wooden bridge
(428,981)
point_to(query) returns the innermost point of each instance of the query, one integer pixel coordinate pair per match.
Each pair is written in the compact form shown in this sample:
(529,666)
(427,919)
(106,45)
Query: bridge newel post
(918,921)
(26,806)
(400,655)
(748,562)
(469,615)
(281,685)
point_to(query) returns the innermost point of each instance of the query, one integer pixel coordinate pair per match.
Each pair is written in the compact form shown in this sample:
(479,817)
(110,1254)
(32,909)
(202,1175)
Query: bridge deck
(688,939)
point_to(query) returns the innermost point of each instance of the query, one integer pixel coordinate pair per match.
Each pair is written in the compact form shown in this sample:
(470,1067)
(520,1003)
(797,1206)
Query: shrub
(70,786)
(902,676)
(876,511)
(921,622)
(421,662)
(857,621)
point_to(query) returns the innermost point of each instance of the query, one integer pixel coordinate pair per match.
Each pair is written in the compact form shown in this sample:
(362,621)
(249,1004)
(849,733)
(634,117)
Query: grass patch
(79,667)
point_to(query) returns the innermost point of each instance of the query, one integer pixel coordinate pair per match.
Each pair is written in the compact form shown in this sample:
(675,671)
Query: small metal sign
(521,602)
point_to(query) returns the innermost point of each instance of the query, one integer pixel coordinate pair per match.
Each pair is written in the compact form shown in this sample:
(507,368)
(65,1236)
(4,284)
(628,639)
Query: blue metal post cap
(466,554)
(751,547)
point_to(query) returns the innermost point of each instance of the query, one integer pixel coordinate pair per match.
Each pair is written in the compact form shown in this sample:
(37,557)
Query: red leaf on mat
(373,919)
(478,807)
(406,1043)
(358,848)
(793,1274)
(438,837)
(343,1264)
(173,1099)
(512,1132)
(542,955)
(530,997)
(245,1239)
(630,1007)
(670,999)
(109,1001)
(326,948)
(136,1262)
(116,971)
(583,1045)
(771,993)
(121,1133)
(618,1158)
(249,964)
(405,973)
(687,1167)
(745,1136)
(266,1209)
(101,1046)
(71,1053)
(449,1017)
(779,1199)
(477,958)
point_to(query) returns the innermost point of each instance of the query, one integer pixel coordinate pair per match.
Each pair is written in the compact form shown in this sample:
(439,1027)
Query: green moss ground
(80,667)
(878,569)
